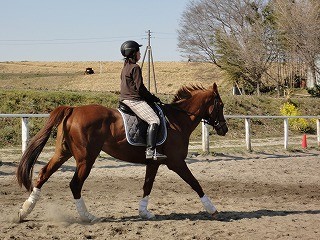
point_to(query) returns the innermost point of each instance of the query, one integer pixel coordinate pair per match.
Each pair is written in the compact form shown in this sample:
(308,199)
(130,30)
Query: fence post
(318,132)
(248,137)
(25,133)
(286,132)
(205,138)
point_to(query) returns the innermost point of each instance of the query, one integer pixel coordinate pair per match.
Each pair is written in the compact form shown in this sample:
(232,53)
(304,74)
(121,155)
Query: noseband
(214,121)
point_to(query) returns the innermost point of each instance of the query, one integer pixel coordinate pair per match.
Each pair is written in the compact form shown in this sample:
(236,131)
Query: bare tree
(299,24)
(236,35)
(196,34)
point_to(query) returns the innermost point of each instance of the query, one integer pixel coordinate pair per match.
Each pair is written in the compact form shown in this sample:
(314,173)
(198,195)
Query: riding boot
(151,143)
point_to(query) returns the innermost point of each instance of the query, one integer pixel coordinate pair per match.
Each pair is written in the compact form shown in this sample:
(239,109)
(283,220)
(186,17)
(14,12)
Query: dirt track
(259,196)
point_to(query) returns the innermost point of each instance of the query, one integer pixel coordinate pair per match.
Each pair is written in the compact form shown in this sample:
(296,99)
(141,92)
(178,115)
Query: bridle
(213,116)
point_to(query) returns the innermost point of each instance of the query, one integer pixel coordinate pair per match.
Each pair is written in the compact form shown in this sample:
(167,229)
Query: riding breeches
(143,111)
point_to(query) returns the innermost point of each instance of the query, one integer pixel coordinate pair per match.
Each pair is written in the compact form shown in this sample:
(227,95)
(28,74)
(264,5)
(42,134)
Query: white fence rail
(205,131)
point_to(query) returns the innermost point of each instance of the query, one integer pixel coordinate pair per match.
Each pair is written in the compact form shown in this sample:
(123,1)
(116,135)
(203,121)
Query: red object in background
(304,141)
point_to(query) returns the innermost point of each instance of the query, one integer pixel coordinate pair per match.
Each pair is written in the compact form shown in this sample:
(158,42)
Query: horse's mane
(185,92)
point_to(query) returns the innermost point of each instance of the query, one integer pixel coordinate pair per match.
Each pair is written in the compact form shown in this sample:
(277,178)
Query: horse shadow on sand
(10,171)
(226,216)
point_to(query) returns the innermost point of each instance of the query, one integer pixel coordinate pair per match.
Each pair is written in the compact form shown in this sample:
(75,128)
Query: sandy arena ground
(259,196)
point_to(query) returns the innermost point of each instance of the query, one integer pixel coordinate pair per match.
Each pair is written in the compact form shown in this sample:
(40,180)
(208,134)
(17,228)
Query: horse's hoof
(20,217)
(146,215)
(215,215)
(98,219)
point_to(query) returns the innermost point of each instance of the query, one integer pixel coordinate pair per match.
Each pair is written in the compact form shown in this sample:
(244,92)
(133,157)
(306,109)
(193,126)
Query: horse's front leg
(184,172)
(151,172)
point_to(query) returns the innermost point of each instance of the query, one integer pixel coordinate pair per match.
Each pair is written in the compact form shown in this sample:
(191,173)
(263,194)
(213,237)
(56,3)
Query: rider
(136,96)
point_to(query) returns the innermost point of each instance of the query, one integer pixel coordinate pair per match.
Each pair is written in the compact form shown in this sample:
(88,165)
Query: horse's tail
(36,145)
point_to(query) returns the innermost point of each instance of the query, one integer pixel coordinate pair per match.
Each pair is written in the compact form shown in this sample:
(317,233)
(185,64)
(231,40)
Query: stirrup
(153,155)
(158,156)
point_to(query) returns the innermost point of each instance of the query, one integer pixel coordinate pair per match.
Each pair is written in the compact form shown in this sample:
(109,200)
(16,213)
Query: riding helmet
(129,48)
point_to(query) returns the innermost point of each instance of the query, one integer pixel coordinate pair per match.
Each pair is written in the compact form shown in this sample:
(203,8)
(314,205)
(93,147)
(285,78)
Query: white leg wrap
(29,204)
(143,211)
(83,212)
(208,206)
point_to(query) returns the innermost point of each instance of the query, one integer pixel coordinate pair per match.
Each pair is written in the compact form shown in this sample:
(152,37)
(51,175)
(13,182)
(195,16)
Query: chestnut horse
(82,132)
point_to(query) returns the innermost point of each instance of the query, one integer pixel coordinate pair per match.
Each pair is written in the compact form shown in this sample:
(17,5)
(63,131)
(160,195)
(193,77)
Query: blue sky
(78,30)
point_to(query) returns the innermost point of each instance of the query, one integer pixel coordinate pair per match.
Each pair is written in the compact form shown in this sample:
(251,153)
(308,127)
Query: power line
(69,39)
(75,40)
(165,33)
(55,43)
(63,40)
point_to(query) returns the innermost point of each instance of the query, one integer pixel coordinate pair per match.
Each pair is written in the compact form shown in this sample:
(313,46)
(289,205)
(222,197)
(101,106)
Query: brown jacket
(132,87)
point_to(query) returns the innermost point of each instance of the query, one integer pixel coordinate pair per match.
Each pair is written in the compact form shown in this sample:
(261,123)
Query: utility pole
(150,62)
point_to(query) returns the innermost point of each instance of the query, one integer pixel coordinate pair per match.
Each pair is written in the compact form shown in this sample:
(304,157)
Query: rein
(176,108)
(179,109)
(206,121)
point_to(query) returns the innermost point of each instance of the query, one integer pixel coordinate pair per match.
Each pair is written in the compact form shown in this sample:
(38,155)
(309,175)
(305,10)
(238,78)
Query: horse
(84,131)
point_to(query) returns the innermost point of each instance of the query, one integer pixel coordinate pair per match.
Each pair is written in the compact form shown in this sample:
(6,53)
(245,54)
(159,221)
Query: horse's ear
(215,88)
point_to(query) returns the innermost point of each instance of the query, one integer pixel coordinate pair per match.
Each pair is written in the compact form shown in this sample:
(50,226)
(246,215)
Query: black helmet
(129,48)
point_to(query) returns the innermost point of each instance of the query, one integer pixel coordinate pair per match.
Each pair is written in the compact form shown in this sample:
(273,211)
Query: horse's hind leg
(61,155)
(53,165)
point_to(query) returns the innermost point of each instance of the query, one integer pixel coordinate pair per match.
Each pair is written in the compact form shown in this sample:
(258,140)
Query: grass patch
(30,101)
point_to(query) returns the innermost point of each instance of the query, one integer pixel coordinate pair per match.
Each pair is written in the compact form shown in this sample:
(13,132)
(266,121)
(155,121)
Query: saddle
(136,128)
